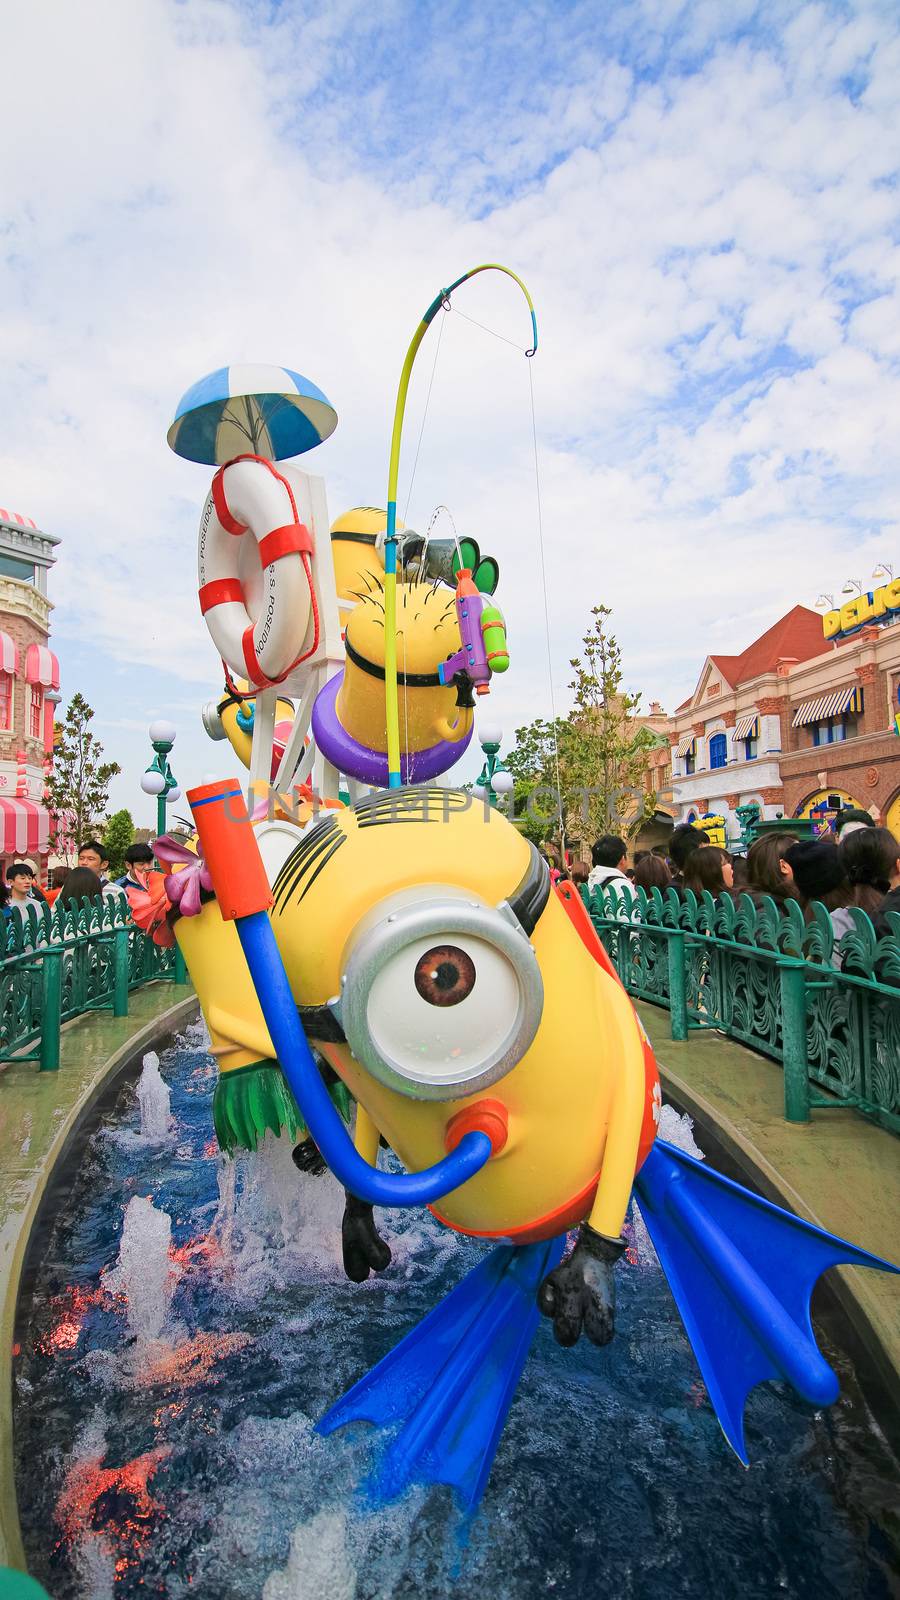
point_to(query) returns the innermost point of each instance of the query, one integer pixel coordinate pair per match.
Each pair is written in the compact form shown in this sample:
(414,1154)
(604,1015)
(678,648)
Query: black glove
(364,1248)
(580,1294)
(307,1157)
(465,698)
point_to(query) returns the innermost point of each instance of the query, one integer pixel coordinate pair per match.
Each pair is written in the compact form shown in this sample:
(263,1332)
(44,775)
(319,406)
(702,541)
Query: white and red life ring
(256,586)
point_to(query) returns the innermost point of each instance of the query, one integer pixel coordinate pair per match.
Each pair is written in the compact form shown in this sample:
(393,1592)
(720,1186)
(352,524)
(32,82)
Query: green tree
(78,786)
(607,750)
(118,836)
(595,760)
(533,765)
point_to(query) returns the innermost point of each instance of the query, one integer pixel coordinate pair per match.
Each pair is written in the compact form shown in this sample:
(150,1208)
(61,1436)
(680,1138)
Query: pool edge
(151,1033)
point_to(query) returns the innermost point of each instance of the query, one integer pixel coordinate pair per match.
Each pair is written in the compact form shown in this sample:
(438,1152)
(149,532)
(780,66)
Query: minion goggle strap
(441,994)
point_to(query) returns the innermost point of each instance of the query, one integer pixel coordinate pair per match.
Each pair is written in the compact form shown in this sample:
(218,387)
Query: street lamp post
(493,779)
(159,779)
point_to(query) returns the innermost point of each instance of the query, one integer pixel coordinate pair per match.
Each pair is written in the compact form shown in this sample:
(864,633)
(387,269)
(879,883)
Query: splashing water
(207,1477)
(319,1563)
(154,1100)
(143,1273)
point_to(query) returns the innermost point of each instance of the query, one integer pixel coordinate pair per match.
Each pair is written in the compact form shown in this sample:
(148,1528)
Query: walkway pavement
(38,1113)
(839,1170)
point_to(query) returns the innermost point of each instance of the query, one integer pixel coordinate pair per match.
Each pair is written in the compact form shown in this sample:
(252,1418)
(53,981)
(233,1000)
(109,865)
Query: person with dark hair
(741,874)
(891,901)
(819,875)
(92,855)
(870,859)
(81,884)
(769,872)
(609,856)
(652,872)
(58,876)
(709,868)
(849,820)
(138,861)
(684,840)
(20,885)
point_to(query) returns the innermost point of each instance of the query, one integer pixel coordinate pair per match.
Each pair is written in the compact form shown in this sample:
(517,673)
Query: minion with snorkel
(416,940)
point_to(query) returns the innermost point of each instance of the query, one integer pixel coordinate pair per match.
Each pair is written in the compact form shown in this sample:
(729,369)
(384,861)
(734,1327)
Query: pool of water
(168,1382)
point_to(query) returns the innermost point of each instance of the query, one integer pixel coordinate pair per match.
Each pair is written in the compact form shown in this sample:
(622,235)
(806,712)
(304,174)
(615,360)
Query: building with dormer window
(29,687)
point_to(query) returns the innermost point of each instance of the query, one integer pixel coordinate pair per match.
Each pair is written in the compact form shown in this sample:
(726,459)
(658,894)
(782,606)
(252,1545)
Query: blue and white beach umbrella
(266,411)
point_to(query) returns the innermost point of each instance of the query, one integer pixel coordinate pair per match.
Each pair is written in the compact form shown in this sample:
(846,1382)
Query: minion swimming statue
(465,1002)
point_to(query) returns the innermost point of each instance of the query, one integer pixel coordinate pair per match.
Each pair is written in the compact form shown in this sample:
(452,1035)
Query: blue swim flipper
(449,1384)
(742,1272)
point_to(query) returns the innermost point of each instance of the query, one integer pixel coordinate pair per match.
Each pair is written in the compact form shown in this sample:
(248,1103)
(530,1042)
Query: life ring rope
(291,538)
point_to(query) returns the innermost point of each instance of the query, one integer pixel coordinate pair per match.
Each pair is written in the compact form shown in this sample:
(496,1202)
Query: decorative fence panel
(59,962)
(828,1012)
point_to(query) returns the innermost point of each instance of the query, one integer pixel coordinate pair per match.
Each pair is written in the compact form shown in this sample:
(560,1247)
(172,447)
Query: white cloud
(704,207)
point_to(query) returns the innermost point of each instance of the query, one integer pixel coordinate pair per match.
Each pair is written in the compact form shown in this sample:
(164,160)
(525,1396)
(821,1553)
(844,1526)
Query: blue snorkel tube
(229,848)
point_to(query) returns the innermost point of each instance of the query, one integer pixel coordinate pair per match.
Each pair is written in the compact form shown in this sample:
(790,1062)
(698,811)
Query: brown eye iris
(445,975)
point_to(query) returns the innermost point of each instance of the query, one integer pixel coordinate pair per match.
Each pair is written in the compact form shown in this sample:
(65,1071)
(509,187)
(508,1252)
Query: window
(12,567)
(35,711)
(5,700)
(751,748)
(718,750)
(831,730)
(689,763)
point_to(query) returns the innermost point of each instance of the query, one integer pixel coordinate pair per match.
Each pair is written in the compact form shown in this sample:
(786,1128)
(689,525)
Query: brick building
(657,778)
(800,719)
(29,687)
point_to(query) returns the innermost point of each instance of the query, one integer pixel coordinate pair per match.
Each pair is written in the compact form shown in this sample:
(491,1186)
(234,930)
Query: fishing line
(484,328)
(424,414)
(540,521)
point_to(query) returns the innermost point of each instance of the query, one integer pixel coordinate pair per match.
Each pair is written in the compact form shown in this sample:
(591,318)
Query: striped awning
(835,704)
(685,745)
(41,666)
(747,727)
(9,654)
(25,827)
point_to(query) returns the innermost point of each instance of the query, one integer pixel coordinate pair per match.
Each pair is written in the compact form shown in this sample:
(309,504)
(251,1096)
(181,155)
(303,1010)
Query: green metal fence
(58,962)
(828,1012)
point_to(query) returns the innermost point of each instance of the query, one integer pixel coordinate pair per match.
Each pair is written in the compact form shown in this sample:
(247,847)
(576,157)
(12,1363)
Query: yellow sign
(715,827)
(862,608)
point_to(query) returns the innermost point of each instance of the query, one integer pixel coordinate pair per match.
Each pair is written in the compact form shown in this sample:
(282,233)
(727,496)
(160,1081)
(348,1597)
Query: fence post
(120,972)
(51,1009)
(678,1016)
(181,972)
(792,977)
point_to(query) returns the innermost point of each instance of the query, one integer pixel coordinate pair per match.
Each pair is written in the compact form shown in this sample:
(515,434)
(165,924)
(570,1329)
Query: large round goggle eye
(441,999)
(445,975)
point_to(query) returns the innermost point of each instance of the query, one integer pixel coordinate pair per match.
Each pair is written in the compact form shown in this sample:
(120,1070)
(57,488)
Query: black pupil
(445,975)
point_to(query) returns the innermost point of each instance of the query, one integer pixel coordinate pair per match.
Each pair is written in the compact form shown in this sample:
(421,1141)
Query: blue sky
(702,198)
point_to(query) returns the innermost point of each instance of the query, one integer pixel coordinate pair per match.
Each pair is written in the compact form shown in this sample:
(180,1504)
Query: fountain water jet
(154,1100)
(143,1273)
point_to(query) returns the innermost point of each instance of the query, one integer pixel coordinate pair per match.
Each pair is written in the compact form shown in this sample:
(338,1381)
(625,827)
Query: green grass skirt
(252,1101)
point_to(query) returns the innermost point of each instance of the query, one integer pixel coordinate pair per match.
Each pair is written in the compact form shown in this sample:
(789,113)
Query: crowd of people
(88,880)
(857,865)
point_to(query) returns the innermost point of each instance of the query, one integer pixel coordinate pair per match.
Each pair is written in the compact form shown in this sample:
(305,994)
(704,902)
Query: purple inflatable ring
(371,766)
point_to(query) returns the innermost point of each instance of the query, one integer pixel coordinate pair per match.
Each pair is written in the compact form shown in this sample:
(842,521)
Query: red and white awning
(41,666)
(25,827)
(9,654)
